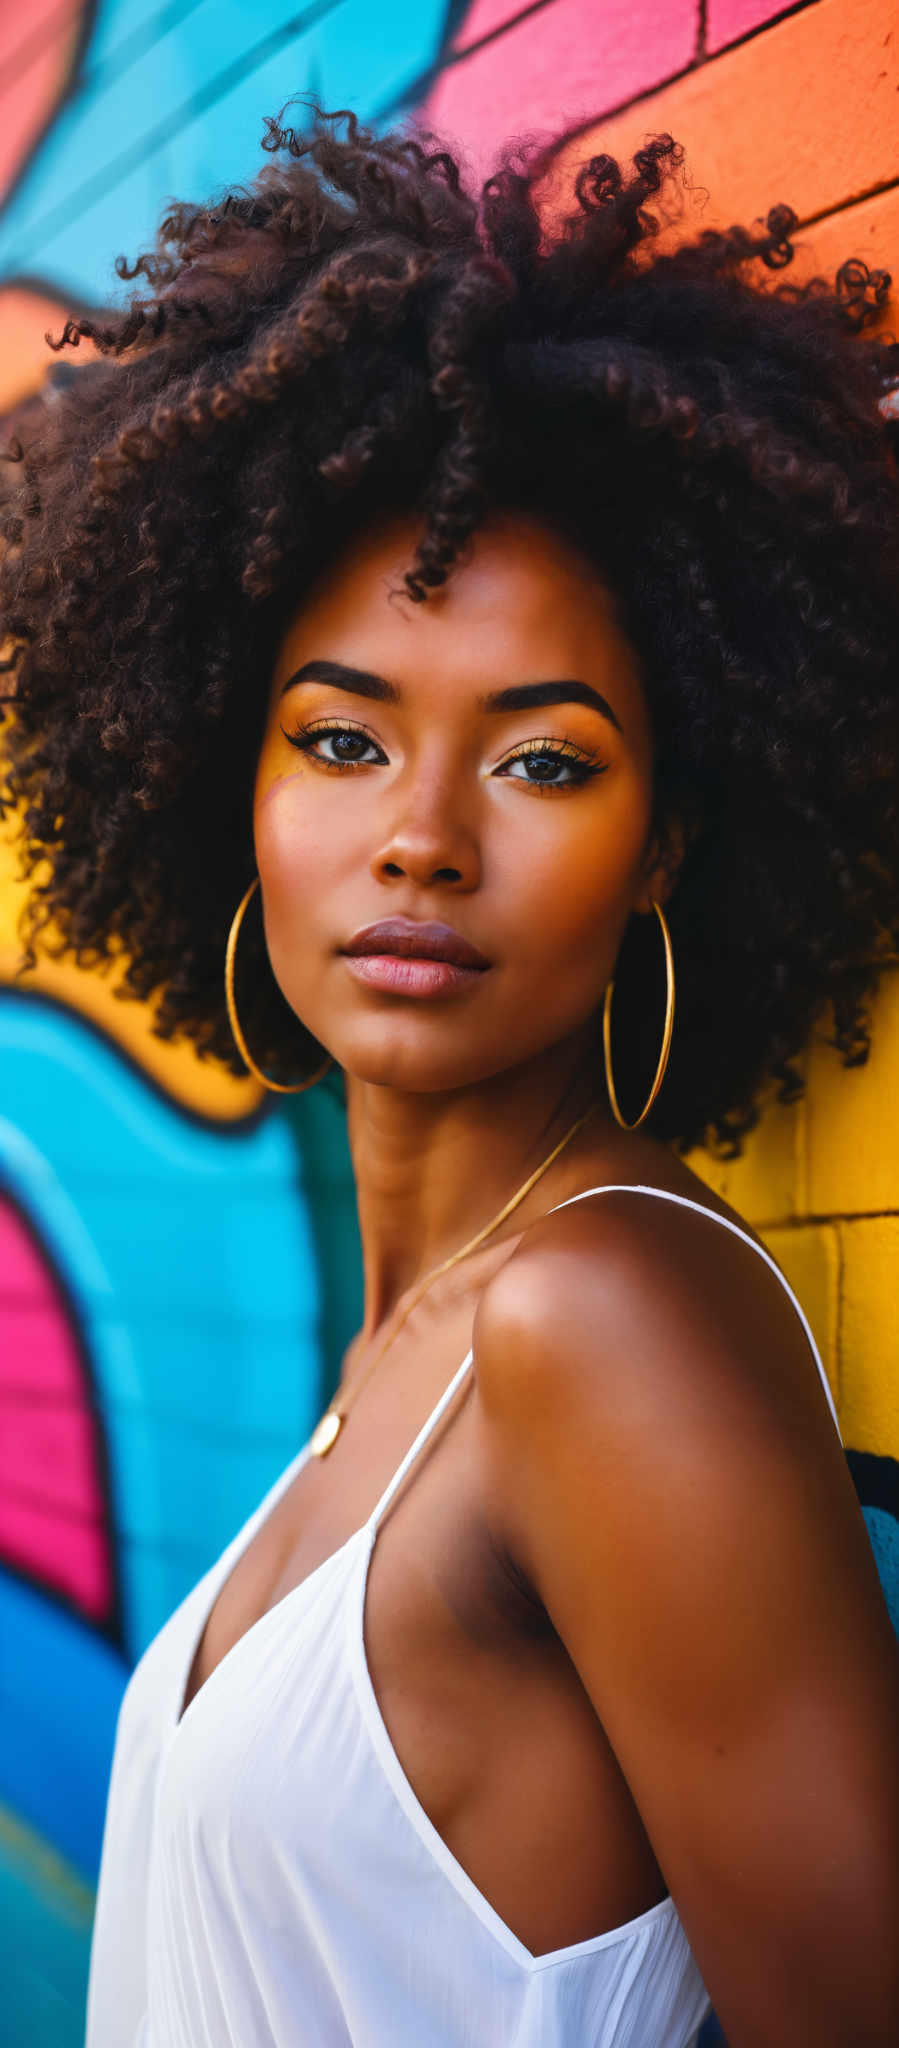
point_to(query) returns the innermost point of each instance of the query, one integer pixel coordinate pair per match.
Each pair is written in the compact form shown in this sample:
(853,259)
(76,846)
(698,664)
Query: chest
(444,1583)
(463,1684)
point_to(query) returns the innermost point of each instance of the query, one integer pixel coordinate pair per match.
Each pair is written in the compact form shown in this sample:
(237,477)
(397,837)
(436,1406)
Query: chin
(423,1070)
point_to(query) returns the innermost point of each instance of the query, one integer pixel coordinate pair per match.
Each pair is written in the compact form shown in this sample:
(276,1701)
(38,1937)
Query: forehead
(523,604)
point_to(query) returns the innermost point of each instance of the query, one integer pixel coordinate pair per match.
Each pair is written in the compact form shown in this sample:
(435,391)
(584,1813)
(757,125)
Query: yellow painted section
(810,1258)
(853,1123)
(820,1182)
(869,1250)
(767,1181)
(202,1086)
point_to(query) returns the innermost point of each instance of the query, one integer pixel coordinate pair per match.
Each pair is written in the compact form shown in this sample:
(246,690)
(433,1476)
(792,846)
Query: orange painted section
(806,113)
(25,320)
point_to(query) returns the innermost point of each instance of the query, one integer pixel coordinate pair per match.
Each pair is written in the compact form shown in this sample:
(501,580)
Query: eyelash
(308,736)
(583,766)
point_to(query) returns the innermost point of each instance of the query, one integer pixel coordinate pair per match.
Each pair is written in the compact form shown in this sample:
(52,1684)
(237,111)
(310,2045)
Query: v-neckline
(223,1570)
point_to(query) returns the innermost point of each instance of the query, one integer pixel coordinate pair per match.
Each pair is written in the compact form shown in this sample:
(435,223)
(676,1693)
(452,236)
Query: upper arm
(660,1460)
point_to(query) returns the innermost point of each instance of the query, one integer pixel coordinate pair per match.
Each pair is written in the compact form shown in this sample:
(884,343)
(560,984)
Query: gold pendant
(325,1433)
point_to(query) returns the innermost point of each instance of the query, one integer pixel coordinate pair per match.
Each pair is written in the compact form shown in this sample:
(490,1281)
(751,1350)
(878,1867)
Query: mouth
(399,957)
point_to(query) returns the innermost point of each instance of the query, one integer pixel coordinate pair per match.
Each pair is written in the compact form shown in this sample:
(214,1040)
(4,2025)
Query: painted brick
(752,120)
(557,69)
(728,19)
(853,1157)
(201,1085)
(484,17)
(870,231)
(833,1153)
(766,1182)
(810,1258)
(869,1340)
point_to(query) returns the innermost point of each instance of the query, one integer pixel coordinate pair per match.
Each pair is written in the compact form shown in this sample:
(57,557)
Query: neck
(432,1169)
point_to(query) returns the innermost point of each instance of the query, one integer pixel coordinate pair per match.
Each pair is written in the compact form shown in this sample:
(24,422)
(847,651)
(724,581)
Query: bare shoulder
(650,1307)
(659,1461)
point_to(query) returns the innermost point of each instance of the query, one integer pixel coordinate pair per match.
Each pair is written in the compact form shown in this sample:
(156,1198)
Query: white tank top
(269,1879)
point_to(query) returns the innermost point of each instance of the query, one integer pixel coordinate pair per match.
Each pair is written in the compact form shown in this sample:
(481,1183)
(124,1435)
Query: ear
(661,864)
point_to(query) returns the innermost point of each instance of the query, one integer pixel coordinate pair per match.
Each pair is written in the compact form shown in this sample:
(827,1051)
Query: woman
(499,611)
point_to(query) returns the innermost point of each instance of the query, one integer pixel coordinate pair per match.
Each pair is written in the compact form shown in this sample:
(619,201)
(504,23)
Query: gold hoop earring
(276,1087)
(666,1034)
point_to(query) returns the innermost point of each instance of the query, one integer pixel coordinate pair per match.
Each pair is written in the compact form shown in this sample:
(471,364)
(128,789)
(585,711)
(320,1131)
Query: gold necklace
(327,1431)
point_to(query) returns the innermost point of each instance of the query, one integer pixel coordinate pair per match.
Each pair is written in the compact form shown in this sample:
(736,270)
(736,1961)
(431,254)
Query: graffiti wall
(178,1262)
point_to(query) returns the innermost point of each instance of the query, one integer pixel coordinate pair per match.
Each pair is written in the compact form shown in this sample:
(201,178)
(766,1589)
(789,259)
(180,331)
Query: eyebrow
(518,697)
(524,696)
(357,680)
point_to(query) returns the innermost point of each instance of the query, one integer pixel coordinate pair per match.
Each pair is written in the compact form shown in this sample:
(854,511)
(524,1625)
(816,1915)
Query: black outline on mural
(205,96)
(71,81)
(875,1476)
(450,59)
(199,1118)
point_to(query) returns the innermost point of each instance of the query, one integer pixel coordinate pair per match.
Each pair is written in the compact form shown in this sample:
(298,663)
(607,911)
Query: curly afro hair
(357,330)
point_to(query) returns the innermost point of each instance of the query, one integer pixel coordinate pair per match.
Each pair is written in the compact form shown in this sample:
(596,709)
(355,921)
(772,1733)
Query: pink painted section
(483,17)
(728,19)
(39,1353)
(70,1557)
(49,1450)
(559,69)
(22,1273)
(52,1509)
(35,46)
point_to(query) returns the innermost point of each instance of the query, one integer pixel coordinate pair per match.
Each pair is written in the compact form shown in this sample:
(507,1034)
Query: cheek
(580,872)
(288,836)
(295,862)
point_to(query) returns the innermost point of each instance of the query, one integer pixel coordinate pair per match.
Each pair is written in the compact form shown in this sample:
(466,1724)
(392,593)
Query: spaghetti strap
(686,1202)
(611,1188)
(419,1444)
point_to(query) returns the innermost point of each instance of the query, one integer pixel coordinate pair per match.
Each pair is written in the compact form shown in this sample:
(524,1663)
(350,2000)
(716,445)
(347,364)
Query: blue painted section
(188,1253)
(171,101)
(60,1690)
(193,1258)
(215,1273)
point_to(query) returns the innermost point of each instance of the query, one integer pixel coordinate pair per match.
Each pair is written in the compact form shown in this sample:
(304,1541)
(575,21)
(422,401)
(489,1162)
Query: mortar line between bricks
(700,51)
(416,89)
(800,1155)
(816,1217)
(838,1233)
(813,220)
(651,92)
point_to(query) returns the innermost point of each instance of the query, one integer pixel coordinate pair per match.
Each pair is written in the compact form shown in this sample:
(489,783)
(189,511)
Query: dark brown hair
(356,331)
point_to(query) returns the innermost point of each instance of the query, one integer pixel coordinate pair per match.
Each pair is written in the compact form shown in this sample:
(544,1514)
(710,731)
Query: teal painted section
(883,1529)
(45,1922)
(191,1260)
(170,101)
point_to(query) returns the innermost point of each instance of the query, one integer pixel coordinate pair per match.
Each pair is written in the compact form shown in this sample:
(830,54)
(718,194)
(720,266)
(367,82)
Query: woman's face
(495,776)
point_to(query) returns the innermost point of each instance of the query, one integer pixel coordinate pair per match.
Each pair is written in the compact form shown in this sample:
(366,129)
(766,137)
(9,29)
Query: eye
(554,764)
(350,743)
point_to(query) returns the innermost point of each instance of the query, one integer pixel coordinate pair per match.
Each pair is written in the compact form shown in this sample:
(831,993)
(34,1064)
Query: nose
(427,839)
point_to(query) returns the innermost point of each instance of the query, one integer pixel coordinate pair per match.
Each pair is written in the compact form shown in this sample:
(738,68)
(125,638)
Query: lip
(402,938)
(405,957)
